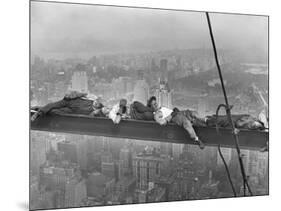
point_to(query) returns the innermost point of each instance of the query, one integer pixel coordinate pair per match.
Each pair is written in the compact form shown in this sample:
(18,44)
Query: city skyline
(112,53)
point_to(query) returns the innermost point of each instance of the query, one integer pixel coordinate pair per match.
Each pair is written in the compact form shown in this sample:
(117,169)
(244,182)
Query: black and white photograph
(134,105)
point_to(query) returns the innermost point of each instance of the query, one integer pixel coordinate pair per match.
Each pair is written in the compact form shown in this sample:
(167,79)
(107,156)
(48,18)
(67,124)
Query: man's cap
(123,102)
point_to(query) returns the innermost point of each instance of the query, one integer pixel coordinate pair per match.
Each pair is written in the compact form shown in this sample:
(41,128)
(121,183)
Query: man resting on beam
(74,103)
(140,111)
(185,119)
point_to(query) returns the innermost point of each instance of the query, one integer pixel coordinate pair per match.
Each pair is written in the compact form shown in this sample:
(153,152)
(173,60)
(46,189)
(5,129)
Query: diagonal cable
(228,112)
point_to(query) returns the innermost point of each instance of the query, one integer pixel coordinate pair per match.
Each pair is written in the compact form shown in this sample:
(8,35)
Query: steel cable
(228,112)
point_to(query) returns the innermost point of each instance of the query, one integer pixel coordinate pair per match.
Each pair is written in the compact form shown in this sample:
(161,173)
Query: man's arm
(159,118)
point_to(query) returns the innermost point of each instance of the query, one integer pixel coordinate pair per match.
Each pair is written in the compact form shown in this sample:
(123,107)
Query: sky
(58,28)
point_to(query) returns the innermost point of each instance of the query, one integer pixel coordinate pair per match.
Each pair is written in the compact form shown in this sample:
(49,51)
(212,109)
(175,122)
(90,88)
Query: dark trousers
(187,119)
(141,112)
(75,106)
(54,106)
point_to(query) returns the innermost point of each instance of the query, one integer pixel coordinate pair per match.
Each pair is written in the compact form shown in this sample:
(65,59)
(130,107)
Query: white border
(14,65)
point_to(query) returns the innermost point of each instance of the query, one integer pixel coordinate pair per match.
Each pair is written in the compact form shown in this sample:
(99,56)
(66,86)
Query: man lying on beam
(136,110)
(139,111)
(74,103)
(186,119)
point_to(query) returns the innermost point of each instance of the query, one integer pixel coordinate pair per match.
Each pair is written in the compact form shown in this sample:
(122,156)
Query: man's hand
(95,112)
(117,119)
(162,122)
(168,118)
(125,116)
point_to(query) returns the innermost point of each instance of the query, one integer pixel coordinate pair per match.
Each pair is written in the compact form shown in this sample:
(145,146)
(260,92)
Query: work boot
(200,143)
(264,148)
(35,116)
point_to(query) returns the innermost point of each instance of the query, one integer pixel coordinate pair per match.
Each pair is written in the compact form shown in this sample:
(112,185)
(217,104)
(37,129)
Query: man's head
(97,103)
(123,105)
(152,103)
(249,122)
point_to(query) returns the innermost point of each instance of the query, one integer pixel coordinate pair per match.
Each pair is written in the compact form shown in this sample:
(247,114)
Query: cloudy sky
(58,28)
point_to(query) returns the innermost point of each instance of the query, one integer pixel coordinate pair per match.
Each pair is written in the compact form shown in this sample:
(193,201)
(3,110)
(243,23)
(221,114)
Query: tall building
(164,94)
(148,167)
(256,165)
(98,185)
(177,150)
(34,191)
(75,150)
(79,81)
(75,192)
(203,106)
(226,152)
(108,169)
(121,86)
(164,69)
(62,178)
(82,152)
(69,150)
(153,66)
(106,157)
(166,148)
(39,147)
(141,91)
(125,159)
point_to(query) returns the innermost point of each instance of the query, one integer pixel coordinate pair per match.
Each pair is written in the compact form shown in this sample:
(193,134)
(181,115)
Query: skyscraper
(164,94)
(141,91)
(177,150)
(69,150)
(79,81)
(226,152)
(82,152)
(75,151)
(39,147)
(164,69)
(125,160)
(75,192)
(108,169)
(148,167)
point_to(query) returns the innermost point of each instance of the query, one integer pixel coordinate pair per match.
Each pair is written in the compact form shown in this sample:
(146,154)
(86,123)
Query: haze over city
(73,30)
(117,53)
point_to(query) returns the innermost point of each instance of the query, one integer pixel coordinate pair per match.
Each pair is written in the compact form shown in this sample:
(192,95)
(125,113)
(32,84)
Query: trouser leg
(61,111)
(148,116)
(55,105)
(194,117)
(182,120)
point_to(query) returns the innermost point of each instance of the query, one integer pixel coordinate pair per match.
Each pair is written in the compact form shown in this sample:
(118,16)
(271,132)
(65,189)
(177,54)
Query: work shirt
(114,112)
(161,115)
(165,112)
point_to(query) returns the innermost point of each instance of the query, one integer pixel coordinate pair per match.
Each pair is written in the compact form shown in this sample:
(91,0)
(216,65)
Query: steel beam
(145,130)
